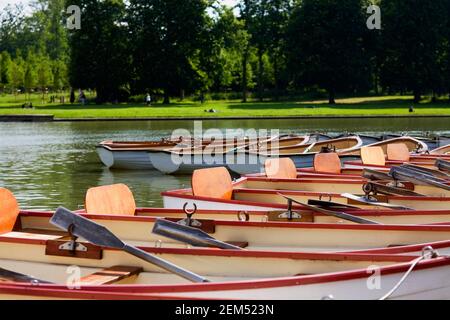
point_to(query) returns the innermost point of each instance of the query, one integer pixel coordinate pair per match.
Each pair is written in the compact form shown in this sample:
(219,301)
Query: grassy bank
(373,106)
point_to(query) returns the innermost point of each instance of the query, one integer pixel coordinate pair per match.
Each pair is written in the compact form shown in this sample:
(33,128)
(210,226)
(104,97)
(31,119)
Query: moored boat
(442,151)
(101,273)
(134,155)
(214,188)
(316,277)
(186,160)
(252,161)
(127,271)
(413,145)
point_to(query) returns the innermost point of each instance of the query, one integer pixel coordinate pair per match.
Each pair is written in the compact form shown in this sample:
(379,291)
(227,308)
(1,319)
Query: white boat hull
(129,160)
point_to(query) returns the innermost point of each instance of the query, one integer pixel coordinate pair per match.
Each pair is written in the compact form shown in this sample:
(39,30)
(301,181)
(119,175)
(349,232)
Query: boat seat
(327,163)
(110,275)
(280,168)
(373,156)
(212,183)
(114,199)
(9,210)
(398,152)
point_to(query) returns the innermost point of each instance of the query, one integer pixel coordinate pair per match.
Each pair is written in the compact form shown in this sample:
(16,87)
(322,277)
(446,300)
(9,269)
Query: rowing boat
(130,155)
(267,235)
(252,161)
(233,275)
(213,188)
(112,273)
(96,272)
(394,154)
(413,145)
(186,160)
(134,155)
(442,151)
(114,207)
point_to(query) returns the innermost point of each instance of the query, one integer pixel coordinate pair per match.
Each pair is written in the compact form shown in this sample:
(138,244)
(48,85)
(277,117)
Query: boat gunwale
(243,285)
(277,224)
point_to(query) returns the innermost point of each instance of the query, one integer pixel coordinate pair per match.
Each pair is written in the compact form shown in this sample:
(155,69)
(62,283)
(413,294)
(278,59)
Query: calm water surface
(51,164)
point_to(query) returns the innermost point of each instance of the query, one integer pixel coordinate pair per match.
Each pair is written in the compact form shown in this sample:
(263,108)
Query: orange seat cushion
(212,183)
(327,163)
(280,168)
(115,199)
(373,156)
(398,152)
(9,210)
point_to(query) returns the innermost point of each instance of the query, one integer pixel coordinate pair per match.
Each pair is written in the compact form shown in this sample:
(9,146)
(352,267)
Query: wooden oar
(435,173)
(192,236)
(101,236)
(388,190)
(340,215)
(443,165)
(9,211)
(16,277)
(368,201)
(329,204)
(418,178)
(376,175)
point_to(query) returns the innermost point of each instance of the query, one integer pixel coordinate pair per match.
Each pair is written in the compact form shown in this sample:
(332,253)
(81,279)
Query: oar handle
(341,215)
(193,277)
(222,245)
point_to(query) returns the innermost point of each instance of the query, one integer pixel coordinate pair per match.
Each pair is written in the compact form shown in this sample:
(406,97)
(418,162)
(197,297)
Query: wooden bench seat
(110,275)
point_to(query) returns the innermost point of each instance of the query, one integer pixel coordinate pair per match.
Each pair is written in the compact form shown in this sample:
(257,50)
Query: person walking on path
(148,99)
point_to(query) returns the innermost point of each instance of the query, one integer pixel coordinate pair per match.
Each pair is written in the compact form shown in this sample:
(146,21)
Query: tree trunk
(244,75)
(434,98)
(166,96)
(375,85)
(275,75)
(260,75)
(417,96)
(331,96)
(181,94)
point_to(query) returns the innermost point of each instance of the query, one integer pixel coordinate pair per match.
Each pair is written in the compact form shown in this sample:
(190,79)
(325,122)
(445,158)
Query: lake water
(51,164)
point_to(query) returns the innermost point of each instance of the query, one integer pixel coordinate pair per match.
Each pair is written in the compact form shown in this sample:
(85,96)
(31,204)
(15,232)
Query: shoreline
(51,118)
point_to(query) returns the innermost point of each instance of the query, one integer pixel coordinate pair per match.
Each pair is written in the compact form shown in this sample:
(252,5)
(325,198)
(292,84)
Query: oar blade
(418,177)
(376,175)
(85,228)
(443,165)
(175,231)
(15,277)
(192,236)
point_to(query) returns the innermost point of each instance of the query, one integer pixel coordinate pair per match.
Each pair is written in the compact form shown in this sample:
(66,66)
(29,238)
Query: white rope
(427,253)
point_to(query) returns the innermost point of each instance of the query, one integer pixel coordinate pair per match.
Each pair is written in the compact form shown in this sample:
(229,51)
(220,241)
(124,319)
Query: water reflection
(52,164)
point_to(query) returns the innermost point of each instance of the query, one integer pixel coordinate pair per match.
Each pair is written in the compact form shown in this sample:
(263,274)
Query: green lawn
(388,105)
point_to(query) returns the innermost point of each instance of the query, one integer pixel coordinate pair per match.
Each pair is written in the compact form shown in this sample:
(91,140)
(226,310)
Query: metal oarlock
(290,214)
(188,221)
(73,245)
(243,216)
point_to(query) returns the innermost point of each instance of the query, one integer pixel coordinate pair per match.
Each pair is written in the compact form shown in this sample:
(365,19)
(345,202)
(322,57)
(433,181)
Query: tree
(267,22)
(5,69)
(17,73)
(30,75)
(59,75)
(167,35)
(220,54)
(44,74)
(413,34)
(325,45)
(245,8)
(99,50)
